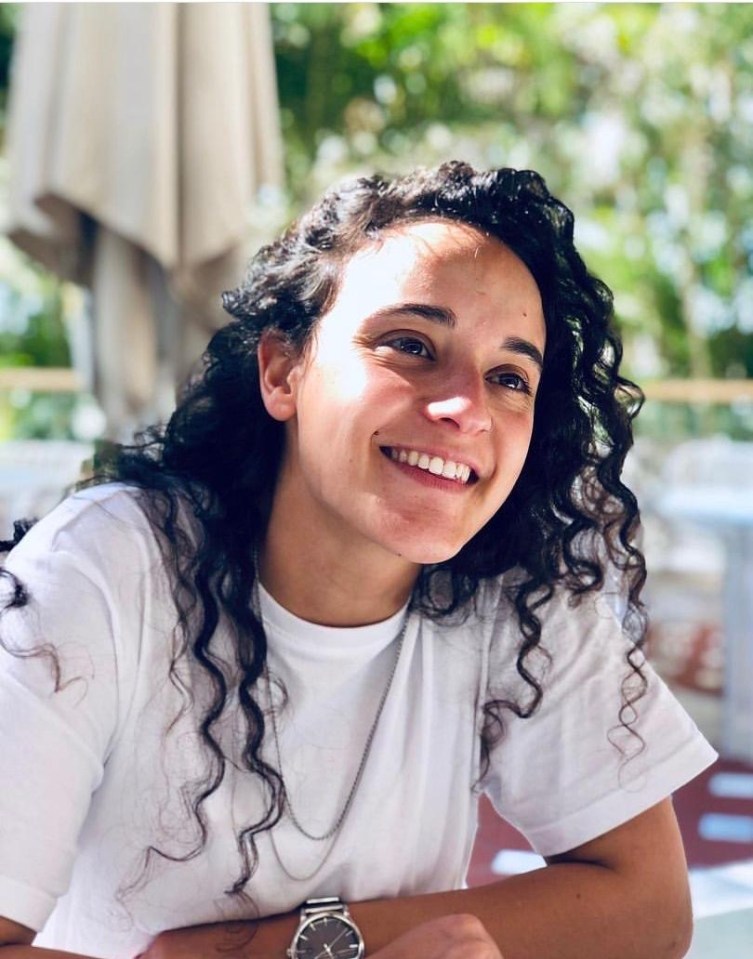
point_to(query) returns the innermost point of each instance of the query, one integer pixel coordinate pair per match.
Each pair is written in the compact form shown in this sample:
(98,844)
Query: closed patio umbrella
(138,137)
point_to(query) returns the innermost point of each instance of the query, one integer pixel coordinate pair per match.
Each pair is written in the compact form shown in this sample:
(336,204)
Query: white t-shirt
(94,774)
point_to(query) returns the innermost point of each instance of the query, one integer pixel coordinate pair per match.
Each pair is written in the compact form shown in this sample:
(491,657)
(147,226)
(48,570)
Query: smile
(448,469)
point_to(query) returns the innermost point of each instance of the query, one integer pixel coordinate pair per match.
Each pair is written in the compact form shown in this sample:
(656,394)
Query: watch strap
(322,905)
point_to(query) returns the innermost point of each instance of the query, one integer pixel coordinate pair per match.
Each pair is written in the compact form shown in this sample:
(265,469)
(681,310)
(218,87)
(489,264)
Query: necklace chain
(367,748)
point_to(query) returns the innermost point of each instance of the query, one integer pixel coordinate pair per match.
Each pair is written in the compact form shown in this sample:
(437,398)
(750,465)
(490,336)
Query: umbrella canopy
(138,137)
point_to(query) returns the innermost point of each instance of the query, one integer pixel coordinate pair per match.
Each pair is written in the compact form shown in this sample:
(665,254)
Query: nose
(460,401)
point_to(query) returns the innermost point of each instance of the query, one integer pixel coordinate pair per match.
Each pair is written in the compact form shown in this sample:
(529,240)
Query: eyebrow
(437,314)
(446,317)
(524,348)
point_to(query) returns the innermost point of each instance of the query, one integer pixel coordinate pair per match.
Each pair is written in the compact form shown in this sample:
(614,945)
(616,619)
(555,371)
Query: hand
(449,937)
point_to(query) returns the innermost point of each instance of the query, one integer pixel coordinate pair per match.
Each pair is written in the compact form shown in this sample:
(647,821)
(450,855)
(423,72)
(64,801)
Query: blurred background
(149,149)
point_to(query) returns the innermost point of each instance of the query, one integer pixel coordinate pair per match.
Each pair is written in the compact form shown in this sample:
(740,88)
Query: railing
(698,391)
(41,379)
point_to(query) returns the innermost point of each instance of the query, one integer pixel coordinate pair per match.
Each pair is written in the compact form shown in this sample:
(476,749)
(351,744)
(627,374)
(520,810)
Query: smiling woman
(427,349)
(380,561)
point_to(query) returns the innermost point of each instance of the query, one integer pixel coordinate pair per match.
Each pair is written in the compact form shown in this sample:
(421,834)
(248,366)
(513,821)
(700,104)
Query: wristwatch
(326,931)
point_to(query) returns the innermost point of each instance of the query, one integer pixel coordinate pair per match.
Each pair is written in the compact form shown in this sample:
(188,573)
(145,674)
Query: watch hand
(338,936)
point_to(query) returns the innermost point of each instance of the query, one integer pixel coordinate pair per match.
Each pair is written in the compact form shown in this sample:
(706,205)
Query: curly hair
(568,518)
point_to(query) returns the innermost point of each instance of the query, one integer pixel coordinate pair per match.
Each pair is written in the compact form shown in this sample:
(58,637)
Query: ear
(278,365)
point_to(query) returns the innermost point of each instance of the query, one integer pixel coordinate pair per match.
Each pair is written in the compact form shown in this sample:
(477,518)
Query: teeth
(433,464)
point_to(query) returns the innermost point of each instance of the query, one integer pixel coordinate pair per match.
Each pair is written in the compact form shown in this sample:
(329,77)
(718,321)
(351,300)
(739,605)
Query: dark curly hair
(568,518)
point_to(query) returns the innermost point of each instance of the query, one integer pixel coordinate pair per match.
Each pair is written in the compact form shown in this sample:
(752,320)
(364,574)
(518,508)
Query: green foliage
(39,416)
(33,333)
(37,335)
(8,18)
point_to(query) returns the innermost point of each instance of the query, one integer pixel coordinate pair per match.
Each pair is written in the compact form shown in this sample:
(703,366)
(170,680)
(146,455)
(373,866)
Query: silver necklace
(364,757)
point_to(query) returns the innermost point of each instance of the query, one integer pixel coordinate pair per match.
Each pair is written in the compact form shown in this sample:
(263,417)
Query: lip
(440,451)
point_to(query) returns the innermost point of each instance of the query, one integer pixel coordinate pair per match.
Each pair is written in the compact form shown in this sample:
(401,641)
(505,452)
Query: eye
(410,345)
(510,381)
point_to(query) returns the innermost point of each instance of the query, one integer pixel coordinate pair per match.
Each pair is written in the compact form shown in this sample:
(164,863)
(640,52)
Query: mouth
(446,468)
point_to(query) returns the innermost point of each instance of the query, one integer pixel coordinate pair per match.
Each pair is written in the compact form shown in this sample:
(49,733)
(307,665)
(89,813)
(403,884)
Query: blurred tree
(32,310)
(32,331)
(8,16)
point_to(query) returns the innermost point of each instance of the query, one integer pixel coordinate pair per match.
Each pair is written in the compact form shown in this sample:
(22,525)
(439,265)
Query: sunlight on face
(414,400)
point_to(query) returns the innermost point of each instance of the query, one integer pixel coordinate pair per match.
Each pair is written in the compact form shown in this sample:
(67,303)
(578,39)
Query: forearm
(563,911)
(623,895)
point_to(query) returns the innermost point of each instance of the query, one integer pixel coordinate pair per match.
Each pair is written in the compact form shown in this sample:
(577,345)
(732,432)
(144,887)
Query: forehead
(431,241)
(431,253)
(434,260)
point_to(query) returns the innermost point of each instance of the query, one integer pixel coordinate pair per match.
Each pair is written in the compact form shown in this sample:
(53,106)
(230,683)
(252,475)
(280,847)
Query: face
(408,418)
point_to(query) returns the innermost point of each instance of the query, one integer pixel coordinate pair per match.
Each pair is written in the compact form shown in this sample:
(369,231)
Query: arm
(449,937)
(623,895)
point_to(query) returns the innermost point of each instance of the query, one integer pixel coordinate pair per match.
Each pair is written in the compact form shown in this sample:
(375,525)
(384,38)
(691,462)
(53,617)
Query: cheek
(348,381)
(326,433)
(513,444)
(515,431)
(336,384)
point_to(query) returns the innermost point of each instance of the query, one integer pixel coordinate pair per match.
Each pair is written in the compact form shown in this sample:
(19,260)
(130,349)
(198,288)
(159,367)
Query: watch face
(328,937)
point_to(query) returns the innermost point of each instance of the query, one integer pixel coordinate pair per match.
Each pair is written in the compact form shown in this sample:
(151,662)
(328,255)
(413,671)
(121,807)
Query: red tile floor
(689,657)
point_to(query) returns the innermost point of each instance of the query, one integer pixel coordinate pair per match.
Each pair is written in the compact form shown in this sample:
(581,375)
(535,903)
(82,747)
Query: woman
(380,561)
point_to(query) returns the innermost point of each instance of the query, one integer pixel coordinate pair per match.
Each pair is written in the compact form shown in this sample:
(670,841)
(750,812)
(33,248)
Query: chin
(425,544)
(427,554)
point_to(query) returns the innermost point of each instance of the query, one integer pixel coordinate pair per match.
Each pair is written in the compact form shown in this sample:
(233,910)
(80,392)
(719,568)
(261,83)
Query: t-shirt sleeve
(572,771)
(63,681)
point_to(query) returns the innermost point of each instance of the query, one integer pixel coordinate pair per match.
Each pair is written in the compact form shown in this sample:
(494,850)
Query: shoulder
(97,509)
(97,598)
(89,569)
(100,529)
(565,618)
(581,636)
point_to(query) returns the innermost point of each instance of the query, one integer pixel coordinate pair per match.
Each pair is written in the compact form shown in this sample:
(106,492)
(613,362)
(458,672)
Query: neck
(323,581)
